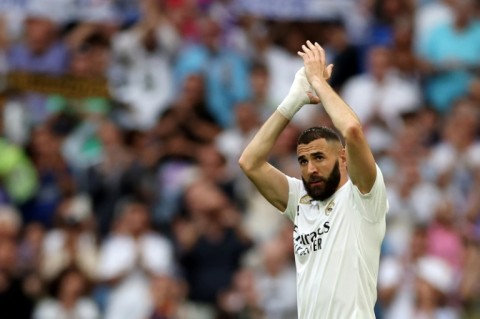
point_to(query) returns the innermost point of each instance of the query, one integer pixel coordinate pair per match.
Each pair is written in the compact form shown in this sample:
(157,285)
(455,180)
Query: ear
(343,157)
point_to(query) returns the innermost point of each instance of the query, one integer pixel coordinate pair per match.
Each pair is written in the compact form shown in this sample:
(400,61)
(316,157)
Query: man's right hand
(315,62)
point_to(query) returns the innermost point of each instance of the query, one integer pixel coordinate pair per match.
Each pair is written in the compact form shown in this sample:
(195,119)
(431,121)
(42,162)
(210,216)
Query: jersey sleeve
(295,187)
(373,206)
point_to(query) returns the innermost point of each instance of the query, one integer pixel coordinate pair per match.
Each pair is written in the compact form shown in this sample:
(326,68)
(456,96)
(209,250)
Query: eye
(318,157)
(302,162)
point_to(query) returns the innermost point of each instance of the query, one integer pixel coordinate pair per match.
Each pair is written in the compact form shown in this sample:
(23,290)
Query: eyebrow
(301,157)
(317,153)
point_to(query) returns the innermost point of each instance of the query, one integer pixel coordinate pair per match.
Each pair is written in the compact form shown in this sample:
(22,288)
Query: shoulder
(87,308)
(373,205)
(376,194)
(296,192)
(117,243)
(46,308)
(358,83)
(295,186)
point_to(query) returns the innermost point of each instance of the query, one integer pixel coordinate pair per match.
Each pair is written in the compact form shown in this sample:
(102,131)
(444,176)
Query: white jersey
(337,249)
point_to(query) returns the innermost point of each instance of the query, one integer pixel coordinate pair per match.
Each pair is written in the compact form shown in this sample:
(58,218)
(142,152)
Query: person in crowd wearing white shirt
(430,16)
(381,94)
(339,214)
(397,277)
(141,75)
(129,258)
(435,281)
(275,281)
(70,300)
(73,242)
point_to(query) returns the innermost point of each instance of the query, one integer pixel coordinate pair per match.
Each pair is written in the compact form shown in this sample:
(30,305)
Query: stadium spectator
(55,178)
(380,96)
(274,282)
(345,56)
(226,77)
(72,243)
(106,181)
(397,275)
(450,54)
(168,295)
(429,16)
(210,242)
(69,298)
(141,74)
(434,284)
(129,257)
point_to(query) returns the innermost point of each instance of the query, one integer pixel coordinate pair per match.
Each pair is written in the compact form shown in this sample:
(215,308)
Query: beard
(329,186)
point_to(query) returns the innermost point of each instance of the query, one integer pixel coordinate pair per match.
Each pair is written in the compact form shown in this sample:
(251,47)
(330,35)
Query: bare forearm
(269,180)
(360,162)
(257,151)
(343,117)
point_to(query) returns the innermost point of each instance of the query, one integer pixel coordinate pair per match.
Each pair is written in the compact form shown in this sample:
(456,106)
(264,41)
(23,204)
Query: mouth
(316,183)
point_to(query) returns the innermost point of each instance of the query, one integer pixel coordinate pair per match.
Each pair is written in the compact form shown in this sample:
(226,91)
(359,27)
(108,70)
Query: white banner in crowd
(350,11)
(298,9)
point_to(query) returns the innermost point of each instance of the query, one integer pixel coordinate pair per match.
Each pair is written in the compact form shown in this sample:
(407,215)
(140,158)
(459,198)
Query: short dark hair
(54,287)
(317,132)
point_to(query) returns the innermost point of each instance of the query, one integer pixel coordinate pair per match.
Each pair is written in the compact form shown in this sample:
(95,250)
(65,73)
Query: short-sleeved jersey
(337,249)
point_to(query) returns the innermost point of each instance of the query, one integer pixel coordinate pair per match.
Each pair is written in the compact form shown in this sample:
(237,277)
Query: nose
(311,168)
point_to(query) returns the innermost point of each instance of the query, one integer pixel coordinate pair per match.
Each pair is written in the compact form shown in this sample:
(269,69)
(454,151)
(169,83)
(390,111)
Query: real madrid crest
(329,208)
(305,199)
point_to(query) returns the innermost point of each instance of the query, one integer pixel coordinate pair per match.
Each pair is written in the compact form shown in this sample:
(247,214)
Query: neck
(343,178)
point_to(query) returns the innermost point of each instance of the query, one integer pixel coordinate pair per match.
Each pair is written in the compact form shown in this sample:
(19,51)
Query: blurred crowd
(132,205)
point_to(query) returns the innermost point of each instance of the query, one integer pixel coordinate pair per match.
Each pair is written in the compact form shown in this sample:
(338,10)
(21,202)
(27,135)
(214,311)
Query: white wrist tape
(297,96)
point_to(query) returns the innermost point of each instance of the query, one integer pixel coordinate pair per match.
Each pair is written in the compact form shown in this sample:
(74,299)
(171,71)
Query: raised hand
(313,56)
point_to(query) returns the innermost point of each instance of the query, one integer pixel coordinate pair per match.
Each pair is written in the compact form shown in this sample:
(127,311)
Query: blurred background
(122,122)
